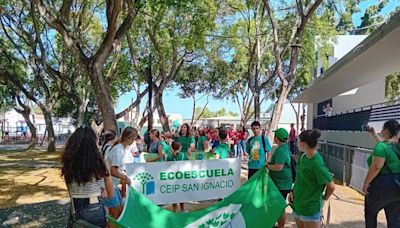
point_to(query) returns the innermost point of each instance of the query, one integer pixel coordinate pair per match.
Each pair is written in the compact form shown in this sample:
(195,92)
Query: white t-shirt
(117,157)
(128,156)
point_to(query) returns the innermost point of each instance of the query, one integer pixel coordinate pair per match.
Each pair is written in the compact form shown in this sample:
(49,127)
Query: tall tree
(286,48)
(173,34)
(92,59)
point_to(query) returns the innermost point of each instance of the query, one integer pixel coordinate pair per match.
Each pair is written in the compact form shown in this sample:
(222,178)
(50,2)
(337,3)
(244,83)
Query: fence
(347,163)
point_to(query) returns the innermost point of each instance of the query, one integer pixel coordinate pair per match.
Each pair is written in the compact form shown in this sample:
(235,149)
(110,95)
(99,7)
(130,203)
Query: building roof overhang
(374,58)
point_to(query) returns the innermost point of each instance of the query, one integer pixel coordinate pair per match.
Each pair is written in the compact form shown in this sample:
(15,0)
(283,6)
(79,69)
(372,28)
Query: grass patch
(29,185)
(35,155)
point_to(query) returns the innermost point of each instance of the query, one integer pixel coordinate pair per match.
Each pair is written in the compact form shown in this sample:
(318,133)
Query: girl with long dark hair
(86,176)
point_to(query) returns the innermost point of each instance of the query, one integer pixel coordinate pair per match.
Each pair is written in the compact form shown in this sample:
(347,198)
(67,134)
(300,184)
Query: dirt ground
(23,182)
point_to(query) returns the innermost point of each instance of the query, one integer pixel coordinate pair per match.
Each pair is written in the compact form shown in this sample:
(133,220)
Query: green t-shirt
(185,142)
(387,151)
(282,179)
(254,147)
(200,141)
(311,178)
(167,151)
(222,150)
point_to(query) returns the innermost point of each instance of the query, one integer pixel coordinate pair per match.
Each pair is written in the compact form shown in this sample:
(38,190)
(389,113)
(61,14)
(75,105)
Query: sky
(174,104)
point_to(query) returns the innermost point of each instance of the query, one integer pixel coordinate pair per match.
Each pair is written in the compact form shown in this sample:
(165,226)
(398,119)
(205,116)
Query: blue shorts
(114,201)
(310,218)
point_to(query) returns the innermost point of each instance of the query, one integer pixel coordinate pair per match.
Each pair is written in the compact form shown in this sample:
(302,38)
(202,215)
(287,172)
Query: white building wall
(372,93)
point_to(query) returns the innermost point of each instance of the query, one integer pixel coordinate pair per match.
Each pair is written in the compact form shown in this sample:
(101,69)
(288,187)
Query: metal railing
(347,163)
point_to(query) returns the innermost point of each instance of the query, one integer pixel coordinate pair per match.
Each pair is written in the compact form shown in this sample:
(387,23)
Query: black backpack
(293,166)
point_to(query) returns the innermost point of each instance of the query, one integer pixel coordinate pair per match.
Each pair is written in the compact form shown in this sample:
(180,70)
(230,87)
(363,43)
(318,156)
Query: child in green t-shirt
(223,149)
(175,149)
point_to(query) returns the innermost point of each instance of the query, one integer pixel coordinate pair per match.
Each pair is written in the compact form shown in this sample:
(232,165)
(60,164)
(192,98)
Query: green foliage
(209,114)
(392,87)
(372,18)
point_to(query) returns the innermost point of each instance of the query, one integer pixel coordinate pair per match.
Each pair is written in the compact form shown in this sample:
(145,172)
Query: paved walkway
(347,211)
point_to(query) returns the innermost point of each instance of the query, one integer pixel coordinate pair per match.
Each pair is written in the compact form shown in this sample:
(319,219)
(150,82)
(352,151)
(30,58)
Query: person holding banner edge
(280,169)
(258,149)
(117,161)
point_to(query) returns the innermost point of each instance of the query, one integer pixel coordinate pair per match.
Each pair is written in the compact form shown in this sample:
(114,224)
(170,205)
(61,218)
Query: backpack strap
(104,149)
(263,143)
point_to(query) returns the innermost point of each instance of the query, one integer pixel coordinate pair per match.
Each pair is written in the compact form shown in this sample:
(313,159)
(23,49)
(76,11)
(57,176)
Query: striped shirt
(87,190)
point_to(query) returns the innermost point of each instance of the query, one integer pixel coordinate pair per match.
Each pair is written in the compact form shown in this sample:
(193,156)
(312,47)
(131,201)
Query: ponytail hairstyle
(310,137)
(393,126)
(127,133)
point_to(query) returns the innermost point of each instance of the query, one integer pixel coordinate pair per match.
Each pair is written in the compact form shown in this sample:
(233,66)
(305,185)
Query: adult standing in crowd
(382,183)
(312,178)
(280,168)
(156,146)
(117,162)
(292,139)
(232,140)
(187,142)
(202,143)
(258,149)
(86,177)
(241,143)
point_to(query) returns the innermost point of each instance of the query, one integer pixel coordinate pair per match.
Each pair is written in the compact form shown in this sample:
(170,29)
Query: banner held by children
(185,181)
(258,203)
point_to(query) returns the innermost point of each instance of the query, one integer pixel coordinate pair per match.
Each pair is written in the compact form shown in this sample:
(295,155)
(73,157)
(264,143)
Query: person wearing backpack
(280,169)
(258,149)
(382,183)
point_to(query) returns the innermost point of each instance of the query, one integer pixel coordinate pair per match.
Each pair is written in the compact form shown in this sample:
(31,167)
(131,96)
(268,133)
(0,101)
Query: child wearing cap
(280,167)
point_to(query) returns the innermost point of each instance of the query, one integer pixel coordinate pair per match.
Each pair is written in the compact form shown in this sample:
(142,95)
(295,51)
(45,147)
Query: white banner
(185,181)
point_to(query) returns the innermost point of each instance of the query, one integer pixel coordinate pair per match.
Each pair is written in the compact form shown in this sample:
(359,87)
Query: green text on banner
(184,181)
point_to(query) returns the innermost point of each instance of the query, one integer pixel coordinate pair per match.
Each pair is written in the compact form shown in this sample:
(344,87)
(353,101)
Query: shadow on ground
(46,214)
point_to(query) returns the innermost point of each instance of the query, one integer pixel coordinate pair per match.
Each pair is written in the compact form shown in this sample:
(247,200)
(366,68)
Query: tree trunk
(50,131)
(193,110)
(103,98)
(276,115)
(26,113)
(256,106)
(82,109)
(161,111)
(32,129)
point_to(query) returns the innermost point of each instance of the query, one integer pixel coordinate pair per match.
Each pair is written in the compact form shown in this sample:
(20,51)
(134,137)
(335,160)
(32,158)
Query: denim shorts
(94,214)
(114,201)
(310,218)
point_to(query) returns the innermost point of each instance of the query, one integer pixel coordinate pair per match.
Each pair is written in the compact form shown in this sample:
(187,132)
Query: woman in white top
(117,161)
(86,176)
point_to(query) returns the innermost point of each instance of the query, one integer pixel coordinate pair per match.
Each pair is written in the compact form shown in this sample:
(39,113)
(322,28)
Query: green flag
(258,203)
